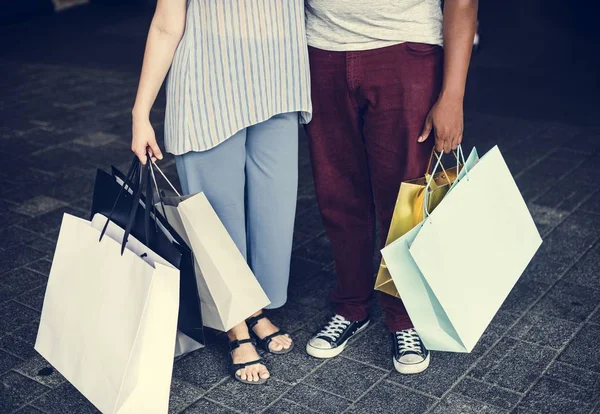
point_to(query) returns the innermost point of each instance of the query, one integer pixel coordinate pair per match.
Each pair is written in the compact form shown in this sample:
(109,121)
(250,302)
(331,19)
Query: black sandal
(233,345)
(263,343)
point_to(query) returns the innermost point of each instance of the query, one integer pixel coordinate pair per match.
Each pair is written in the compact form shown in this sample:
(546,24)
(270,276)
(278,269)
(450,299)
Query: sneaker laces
(334,327)
(409,341)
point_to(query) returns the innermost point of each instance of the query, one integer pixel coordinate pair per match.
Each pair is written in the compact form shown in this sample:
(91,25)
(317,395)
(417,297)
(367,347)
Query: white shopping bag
(229,291)
(474,247)
(109,321)
(426,313)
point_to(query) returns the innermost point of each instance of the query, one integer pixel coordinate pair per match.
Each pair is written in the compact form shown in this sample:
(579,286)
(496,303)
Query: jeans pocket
(422,48)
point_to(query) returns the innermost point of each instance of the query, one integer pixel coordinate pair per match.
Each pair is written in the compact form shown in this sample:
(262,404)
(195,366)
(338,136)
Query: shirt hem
(377,44)
(304,117)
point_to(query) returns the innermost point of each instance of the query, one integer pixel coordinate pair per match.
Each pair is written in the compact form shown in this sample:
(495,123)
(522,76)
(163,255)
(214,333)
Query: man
(381,84)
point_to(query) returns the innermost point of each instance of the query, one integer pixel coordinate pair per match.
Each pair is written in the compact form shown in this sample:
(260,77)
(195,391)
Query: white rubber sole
(408,369)
(330,353)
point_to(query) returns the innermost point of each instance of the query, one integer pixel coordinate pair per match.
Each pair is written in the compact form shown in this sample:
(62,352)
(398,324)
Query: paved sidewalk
(66,89)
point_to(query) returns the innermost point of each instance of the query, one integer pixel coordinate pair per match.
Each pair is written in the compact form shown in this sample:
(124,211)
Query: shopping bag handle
(132,174)
(142,175)
(460,159)
(166,179)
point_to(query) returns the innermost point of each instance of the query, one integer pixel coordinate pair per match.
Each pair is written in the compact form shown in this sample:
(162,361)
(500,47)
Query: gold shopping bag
(408,212)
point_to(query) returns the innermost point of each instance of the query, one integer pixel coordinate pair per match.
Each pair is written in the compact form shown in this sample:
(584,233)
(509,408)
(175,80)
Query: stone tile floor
(66,91)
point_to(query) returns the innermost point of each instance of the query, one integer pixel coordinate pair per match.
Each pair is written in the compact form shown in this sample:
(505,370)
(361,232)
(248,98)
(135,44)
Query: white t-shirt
(348,25)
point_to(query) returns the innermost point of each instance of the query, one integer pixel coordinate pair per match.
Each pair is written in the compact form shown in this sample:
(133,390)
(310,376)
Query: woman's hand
(144,140)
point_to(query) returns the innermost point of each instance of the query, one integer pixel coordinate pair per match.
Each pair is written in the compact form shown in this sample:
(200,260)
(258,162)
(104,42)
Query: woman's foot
(270,337)
(245,360)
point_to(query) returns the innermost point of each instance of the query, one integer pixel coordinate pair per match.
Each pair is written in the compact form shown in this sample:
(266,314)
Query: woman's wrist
(140,114)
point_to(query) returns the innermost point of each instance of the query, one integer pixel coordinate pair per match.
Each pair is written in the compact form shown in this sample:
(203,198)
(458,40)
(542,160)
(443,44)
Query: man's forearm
(460,23)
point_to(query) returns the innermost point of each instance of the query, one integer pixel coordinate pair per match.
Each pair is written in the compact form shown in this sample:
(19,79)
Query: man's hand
(446,121)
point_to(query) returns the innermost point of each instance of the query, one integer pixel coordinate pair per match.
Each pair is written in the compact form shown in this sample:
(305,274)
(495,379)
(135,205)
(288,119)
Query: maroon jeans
(369,108)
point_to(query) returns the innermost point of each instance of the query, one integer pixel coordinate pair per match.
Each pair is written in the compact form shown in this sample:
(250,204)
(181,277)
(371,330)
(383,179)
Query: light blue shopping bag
(425,311)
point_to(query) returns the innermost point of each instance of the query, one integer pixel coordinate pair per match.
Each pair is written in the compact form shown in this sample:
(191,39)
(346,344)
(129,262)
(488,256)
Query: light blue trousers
(251,180)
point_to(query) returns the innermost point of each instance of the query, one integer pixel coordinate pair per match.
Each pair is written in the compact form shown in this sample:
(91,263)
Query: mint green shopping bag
(426,312)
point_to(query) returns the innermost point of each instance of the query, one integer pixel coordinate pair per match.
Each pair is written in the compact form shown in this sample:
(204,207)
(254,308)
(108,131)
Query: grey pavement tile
(544,330)
(317,400)
(586,142)
(291,317)
(13,315)
(10,218)
(445,369)
(95,139)
(7,292)
(27,332)
(23,280)
(15,235)
(318,250)
(546,218)
(296,365)
(487,393)
(16,346)
(577,376)
(50,222)
(39,205)
(182,396)
(34,298)
(313,292)
(284,406)
(459,404)
(567,197)
(503,320)
(242,397)
(549,396)
(64,399)
(592,205)
(309,221)
(17,390)
(583,351)
(586,173)
(42,266)
(523,295)
(83,204)
(204,406)
(8,361)
(568,301)
(29,410)
(538,178)
(595,318)
(571,238)
(18,256)
(373,348)
(206,367)
(520,368)
(497,353)
(545,270)
(302,269)
(388,397)
(43,245)
(586,272)
(40,370)
(348,379)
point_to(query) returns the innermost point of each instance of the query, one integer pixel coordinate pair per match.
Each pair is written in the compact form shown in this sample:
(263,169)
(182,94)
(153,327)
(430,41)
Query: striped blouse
(239,63)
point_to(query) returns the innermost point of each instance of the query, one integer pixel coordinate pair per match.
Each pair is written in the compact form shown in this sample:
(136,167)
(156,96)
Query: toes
(242,374)
(264,374)
(255,376)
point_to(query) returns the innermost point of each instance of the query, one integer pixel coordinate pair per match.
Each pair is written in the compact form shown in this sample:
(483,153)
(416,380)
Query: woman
(237,87)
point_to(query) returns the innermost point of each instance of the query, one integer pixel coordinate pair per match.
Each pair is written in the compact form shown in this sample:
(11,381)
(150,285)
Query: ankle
(238,332)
